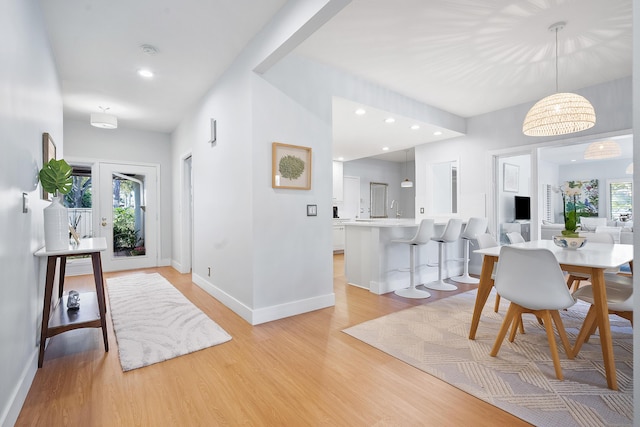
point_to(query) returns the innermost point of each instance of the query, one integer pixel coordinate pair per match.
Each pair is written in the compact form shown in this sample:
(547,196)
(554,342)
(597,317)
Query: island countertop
(375,262)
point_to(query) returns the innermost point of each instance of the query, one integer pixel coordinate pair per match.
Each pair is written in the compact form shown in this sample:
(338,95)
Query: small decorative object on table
(73,300)
(567,242)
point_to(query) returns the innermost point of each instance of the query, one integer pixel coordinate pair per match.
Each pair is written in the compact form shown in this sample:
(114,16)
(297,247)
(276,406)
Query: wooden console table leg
(46,306)
(63,269)
(97,276)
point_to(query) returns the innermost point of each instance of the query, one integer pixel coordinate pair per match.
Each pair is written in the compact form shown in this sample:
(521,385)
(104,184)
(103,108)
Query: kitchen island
(373,262)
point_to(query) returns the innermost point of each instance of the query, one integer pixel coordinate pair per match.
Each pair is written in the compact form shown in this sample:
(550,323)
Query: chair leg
(573,282)
(552,343)
(562,332)
(508,319)
(585,330)
(496,306)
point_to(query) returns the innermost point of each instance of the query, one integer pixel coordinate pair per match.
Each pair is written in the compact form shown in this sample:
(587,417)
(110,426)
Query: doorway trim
(184,262)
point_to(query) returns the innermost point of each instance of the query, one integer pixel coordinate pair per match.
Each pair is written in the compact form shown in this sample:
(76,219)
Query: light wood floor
(299,371)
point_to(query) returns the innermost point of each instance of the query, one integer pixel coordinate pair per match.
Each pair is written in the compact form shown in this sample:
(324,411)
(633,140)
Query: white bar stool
(451,234)
(474,227)
(422,237)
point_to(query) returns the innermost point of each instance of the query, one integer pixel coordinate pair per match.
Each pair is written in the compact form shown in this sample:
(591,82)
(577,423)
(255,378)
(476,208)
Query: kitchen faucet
(397,205)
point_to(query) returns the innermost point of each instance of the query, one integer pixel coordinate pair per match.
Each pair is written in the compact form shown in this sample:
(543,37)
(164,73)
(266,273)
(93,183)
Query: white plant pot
(56,226)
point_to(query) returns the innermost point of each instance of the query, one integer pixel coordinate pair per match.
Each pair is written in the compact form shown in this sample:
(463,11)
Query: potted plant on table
(570,239)
(55,177)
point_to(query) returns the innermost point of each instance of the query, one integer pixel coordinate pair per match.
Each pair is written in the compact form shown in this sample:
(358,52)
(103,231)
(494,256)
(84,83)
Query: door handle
(104,221)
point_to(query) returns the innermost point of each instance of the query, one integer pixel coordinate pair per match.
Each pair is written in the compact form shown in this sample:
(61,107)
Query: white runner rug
(154,322)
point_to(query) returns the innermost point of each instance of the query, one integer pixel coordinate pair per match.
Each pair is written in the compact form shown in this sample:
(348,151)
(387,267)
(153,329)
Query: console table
(89,315)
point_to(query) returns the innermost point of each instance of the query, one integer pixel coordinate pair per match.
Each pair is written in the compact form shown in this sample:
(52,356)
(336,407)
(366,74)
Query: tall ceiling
(467,57)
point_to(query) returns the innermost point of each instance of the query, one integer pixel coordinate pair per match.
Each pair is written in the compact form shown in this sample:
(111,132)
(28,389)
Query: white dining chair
(474,227)
(531,279)
(619,302)
(515,237)
(422,237)
(574,279)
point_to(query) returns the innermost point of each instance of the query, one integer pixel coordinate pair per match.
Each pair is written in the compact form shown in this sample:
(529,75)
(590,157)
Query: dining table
(592,259)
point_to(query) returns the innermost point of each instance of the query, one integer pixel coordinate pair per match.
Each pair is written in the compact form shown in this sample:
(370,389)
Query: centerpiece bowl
(569,242)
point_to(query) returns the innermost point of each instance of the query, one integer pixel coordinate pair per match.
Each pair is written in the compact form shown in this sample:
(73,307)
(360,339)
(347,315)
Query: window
(620,199)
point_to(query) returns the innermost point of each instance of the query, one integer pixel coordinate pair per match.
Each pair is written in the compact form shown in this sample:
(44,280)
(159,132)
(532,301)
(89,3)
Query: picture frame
(48,153)
(312,210)
(291,166)
(511,178)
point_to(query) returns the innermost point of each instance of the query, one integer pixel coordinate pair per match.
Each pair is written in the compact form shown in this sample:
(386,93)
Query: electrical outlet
(421,210)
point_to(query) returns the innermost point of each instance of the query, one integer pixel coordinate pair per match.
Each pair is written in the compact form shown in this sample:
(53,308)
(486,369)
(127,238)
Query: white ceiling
(97,49)
(467,57)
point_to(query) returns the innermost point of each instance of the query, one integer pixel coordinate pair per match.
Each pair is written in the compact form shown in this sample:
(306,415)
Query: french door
(127,215)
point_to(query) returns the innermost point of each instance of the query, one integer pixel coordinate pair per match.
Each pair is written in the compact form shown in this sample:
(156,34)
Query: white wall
(84,142)
(393,173)
(500,133)
(30,104)
(267,258)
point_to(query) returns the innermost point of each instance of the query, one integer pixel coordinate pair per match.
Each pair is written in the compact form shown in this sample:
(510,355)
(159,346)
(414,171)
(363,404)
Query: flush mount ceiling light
(602,150)
(145,73)
(560,113)
(406,183)
(104,120)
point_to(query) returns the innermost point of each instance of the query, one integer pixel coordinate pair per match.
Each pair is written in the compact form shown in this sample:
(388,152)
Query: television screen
(523,207)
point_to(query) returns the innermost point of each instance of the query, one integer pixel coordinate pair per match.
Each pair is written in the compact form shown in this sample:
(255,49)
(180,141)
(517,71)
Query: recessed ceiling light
(385,148)
(415,127)
(389,120)
(145,73)
(360,112)
(573,160)
(437,133)
(340,158)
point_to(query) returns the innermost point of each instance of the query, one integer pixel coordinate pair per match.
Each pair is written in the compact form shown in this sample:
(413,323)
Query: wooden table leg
(46,308)
(484,289)
(97,276)
(63,269)
(602,319)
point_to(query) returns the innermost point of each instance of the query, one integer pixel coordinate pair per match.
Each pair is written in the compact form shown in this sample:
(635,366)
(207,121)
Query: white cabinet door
(338,237)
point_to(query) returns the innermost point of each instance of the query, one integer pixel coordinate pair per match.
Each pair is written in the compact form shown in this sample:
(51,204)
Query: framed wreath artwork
(291,167)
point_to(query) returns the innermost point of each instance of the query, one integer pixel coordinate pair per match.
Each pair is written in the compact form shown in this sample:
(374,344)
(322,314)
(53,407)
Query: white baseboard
(236,306)
(266,314)
(164,262)
(9,414)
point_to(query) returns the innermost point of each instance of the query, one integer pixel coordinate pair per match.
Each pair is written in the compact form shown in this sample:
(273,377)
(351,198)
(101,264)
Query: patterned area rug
(154,322)
(521,379)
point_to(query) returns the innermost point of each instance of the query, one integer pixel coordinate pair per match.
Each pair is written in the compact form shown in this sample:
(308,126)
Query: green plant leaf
(55,176)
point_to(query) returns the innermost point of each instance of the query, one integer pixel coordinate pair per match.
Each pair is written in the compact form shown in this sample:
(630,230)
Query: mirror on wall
(378,200)
(444,187)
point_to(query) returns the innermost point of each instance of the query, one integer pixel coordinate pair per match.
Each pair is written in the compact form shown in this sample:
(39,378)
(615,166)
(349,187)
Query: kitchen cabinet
(338,237)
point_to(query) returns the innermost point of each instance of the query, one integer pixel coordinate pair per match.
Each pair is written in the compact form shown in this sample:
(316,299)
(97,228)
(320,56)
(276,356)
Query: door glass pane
(79,202)
(128,215)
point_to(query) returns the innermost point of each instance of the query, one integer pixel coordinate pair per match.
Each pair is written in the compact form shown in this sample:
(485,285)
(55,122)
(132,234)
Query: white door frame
(152,232)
